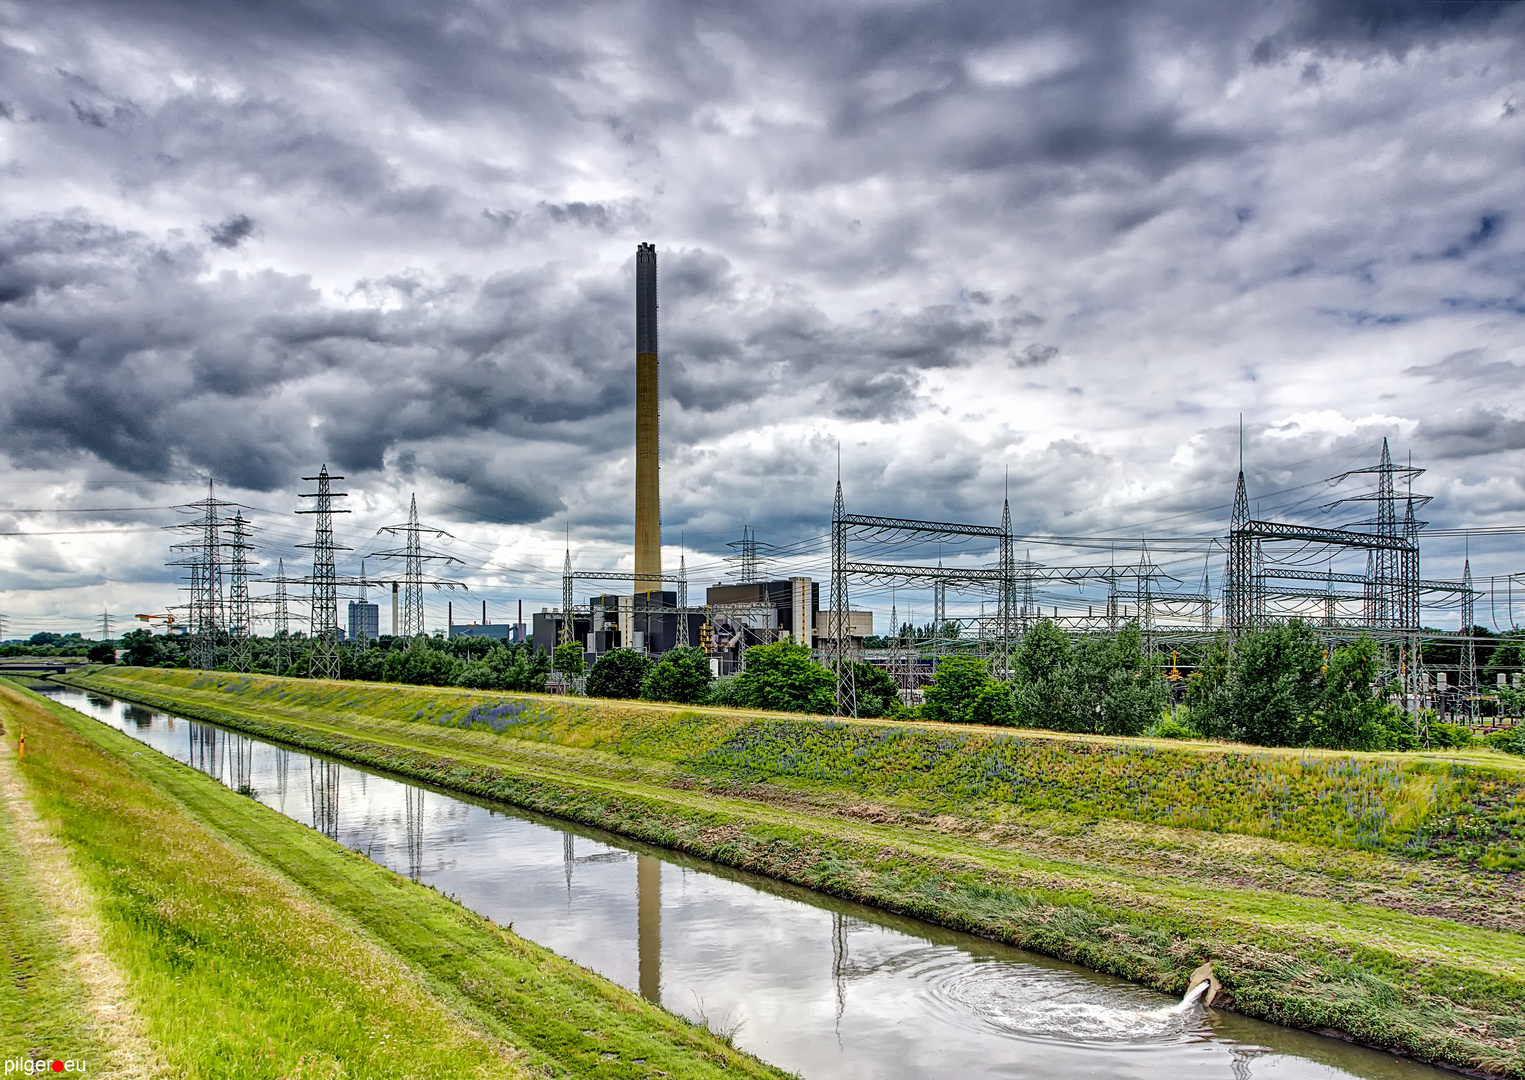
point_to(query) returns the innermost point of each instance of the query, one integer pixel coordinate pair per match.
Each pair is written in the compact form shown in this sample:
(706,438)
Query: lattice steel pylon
(282,620)
(1007,611)
(414,555)
(239,616)
(1239,570)
(324,619)
(204,561)
(1467,676)
(682,635)
(566,631)
(839,640)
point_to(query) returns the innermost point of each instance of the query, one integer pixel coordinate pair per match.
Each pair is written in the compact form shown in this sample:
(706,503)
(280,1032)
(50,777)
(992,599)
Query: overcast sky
(1072,241)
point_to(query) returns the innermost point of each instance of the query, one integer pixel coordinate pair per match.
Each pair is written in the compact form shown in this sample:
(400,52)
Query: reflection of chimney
(648,490)
(648,926)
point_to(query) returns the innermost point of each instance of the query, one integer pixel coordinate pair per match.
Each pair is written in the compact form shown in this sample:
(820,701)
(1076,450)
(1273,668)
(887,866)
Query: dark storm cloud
(848,199)
(1475,432)
(232,231)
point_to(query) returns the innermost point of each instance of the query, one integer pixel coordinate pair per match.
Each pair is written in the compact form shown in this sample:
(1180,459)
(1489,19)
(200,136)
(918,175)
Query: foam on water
(1035,1003)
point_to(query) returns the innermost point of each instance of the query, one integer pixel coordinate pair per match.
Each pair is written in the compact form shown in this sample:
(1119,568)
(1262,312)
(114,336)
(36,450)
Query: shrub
(1510,740)
(876,690)
(1451,737)
(1170,728)
(783,676)
(682,676)
(102,652)
(723,693)
(618,673)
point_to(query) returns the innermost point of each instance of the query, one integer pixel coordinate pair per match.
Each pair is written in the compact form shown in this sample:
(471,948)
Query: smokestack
(648,489)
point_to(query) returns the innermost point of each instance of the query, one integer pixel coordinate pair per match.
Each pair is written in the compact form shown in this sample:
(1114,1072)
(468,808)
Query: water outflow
(830,990)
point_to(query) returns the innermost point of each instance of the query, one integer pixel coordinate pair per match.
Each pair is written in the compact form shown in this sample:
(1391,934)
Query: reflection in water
(924,1002)
(282,763)
(323,779)
(648,917)
(415,814)
(241,755)
(205,746)
(839,963)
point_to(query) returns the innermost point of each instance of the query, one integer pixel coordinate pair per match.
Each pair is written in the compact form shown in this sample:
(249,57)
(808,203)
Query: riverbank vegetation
(251,946)
(1375,894)
(1283,685)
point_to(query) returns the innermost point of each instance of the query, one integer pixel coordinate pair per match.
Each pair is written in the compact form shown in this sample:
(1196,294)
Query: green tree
(142,648)
(876,691)
(102,652)
(682,676)
(568,658)
(783,676)
(618,673)
(421,665)
(1351,712)
(1207,694)
(957,689)
(1043,669)
(1275,685)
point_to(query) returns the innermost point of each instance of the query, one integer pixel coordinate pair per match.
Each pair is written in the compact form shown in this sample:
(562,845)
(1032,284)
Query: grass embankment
(1331,890)
(251,946)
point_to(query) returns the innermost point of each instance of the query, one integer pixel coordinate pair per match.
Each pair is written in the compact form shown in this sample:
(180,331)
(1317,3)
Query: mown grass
(254,947)
(1425,985)
(44,1010)
(1469,808)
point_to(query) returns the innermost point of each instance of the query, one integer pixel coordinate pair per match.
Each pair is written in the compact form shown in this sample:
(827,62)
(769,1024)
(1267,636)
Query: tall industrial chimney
(648,489)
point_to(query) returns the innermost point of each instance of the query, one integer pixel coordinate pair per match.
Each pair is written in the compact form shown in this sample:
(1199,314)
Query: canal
(828,989)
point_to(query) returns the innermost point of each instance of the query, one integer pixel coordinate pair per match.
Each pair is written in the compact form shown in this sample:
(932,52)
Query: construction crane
(168,619)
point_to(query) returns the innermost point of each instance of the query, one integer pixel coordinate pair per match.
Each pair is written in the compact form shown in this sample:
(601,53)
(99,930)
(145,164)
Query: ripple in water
(1028,1001)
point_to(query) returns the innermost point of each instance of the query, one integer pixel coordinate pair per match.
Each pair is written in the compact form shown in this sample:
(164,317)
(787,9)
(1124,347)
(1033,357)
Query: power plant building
(364,621)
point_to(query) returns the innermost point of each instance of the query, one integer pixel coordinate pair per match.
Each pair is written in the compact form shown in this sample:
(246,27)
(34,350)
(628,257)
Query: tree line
(1279,686)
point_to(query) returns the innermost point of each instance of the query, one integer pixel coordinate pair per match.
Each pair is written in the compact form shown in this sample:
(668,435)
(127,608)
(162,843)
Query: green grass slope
(255,947)
(1131,856)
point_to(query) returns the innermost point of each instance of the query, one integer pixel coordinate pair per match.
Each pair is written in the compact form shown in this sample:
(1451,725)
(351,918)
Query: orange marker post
(21,746)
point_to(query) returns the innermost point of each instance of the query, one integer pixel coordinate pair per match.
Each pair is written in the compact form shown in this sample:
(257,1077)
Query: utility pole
(106,620)
(325,593)
(840,633)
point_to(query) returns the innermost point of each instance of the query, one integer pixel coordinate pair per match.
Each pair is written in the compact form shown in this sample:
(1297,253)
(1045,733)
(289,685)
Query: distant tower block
(648,487)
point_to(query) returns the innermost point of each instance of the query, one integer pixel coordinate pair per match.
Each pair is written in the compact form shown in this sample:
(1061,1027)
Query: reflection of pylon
(414,556)
(325,592)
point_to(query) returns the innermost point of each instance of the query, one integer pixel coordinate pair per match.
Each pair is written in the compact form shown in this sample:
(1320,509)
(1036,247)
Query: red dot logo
(58,1066)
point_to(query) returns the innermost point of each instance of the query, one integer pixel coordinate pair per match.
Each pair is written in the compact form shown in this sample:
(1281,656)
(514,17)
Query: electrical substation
(1358,573)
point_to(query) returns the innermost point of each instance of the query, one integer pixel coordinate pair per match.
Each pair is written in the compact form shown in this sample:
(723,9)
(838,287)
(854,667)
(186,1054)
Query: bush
(1451,737)
(682,676)
(877,692)
(960,684)
(1510,740)
(783,676)
(618,673)
(1170,728)
(102,652)
(723,693)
